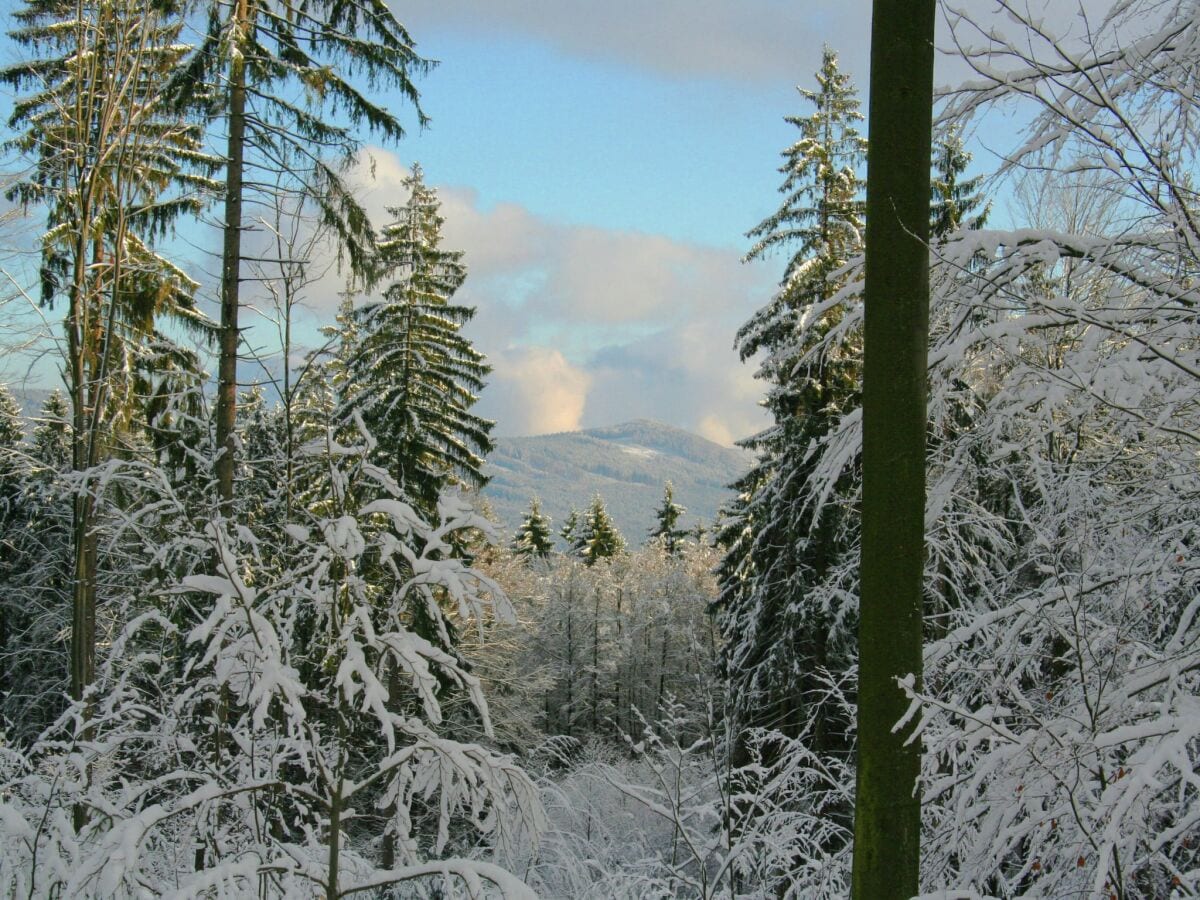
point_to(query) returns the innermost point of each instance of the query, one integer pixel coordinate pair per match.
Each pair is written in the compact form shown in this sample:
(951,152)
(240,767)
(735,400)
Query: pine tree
(781,536)
(412,374)
(599,537)
(668,515)
(266,52)
(955,202)
(572,533)
(534,539)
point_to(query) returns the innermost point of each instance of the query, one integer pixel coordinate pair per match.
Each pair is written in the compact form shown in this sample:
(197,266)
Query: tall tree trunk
(333,864)
(83,609)
(887,821)
(231,256)
(596,662)
(570,662)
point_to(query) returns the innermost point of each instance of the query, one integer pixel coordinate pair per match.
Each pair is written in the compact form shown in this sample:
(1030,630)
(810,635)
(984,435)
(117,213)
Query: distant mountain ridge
(626,464)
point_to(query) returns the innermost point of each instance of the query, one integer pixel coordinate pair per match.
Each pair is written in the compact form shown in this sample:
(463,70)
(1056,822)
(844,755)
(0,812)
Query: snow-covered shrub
(272,730)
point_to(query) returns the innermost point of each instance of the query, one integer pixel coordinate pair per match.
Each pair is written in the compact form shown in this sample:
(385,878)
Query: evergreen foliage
(668,515)
(35,569)
(782,632)
(572,533)
(51,435)
(293,79)
(281,693)
(11,431)
(955,202)
(409,370)
(534,539)
(114,170)
(598,537)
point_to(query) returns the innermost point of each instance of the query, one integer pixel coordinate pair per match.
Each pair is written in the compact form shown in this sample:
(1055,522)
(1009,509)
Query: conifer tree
(12,473)
(113,165)
(599,537)
(52,434)
(955,202)
(572,533)
(285,67)
(667,531)
(534,539)
(412,374)
(11,431)
(779,539)
(36,570)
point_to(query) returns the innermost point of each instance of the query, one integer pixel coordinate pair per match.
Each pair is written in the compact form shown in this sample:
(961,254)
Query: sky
(599,164)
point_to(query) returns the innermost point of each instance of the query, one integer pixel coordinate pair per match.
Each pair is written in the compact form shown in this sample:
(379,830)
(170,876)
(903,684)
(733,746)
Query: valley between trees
(260,638)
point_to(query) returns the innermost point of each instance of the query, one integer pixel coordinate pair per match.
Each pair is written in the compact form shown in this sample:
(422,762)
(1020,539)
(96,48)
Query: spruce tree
(52,435)
(412,374)
(36,571)
(110,163)
(11,431)
(667,531)
(779,539)
(13,471)
(955,202)
(599,537)
(572,533)
(534,539)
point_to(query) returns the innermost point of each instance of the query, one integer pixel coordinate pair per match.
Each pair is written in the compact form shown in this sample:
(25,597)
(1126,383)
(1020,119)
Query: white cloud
(687,376)
(586,326)
(715,430)
(534,390)
(751,41)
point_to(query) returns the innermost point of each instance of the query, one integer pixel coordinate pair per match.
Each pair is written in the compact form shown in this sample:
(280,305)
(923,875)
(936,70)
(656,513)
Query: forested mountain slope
(627,464)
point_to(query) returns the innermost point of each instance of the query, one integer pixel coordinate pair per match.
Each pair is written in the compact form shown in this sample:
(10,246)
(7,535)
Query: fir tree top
(954,200)
(534,539)
(411,372)
(599,535)
(667,531)
(821,214)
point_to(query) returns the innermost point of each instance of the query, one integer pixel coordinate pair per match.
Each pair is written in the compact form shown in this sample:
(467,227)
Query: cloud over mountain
(586,326)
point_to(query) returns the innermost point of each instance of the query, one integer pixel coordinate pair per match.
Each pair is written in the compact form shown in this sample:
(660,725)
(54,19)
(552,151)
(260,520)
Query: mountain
(626,464)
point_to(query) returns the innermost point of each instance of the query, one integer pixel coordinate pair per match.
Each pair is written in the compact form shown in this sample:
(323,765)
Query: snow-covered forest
(259,636)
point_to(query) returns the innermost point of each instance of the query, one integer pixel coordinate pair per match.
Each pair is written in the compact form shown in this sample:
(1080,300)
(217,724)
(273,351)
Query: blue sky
(599,164)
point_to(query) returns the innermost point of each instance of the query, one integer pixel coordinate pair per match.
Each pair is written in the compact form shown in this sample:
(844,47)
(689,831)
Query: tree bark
(887,819)
(83,581)
(231,256)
